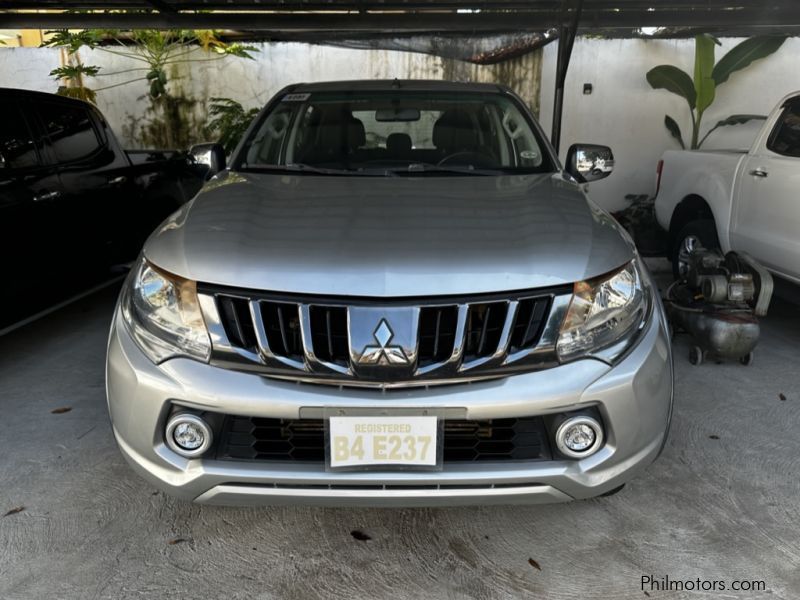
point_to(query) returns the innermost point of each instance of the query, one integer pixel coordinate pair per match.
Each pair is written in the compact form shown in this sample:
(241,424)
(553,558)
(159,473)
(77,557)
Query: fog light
(579,437)
(188,435)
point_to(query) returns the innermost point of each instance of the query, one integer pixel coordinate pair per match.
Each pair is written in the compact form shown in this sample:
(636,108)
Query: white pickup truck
(747,201)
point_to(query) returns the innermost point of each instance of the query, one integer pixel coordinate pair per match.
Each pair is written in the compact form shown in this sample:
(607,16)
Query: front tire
(693,235)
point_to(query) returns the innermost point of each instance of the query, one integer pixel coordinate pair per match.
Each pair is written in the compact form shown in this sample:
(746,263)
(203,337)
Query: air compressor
(718,303)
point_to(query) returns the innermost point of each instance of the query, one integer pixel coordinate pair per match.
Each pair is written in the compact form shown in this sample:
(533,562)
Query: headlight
(163,315)
(605,313)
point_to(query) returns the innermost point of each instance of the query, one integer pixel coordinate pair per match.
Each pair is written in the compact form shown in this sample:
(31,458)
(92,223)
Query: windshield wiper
(301,168)
(422,168)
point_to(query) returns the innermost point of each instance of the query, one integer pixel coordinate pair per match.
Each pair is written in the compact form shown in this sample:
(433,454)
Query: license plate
(382,441)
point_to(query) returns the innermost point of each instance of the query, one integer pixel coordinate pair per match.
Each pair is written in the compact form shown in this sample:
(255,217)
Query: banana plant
(700,91)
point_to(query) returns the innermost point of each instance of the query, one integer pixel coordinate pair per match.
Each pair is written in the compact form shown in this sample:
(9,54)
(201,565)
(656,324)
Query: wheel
(693,235)
(696,355)
(747,359)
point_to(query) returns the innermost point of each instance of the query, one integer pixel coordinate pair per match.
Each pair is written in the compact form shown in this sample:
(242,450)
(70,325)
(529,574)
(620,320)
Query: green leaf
(674,130)
(732,120)
(674,80)
(704,85)
(739,119)
(72,40)
(742,55)
(230,120)
(240,50)
(74,71)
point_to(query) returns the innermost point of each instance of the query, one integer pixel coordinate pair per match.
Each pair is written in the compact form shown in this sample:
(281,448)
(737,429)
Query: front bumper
(634,399)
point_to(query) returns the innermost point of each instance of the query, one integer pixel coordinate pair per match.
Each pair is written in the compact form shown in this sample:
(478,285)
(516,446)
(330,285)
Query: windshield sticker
(529,154)
(295,97)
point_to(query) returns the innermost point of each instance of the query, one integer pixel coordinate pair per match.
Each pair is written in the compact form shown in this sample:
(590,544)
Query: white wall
(27,68)
(253,82)
(624,112)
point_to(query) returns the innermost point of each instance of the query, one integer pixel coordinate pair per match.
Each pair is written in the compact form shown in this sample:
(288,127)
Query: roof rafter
(294,19)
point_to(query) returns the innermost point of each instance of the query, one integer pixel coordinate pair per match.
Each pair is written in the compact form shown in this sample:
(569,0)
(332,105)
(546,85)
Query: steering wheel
(467,158)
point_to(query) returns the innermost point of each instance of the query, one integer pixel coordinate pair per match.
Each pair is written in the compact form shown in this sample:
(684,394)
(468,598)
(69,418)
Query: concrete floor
(722,503)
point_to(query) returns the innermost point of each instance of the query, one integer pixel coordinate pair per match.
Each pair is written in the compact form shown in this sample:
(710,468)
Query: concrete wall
(253,82)
(625,113)
(27,68)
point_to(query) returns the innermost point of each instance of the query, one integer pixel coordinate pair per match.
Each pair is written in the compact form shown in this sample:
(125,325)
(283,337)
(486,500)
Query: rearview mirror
(589,162)
(397,114)
(210,155)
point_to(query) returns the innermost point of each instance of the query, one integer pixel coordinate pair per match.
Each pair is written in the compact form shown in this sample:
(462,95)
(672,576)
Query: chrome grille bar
(505,337)
(537,329)
(451,364)
(263,342)
(314,363)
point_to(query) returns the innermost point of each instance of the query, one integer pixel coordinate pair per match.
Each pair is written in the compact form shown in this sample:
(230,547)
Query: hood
(389,236)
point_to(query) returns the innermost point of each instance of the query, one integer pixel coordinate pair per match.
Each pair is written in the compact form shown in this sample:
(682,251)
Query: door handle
(45,196)
(759,172)
(118,180)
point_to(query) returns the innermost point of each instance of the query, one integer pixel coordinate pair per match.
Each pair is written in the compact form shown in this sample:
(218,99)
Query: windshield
(396,132)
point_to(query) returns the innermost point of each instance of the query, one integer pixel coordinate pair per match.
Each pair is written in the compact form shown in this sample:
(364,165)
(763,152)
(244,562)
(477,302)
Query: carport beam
(566,40)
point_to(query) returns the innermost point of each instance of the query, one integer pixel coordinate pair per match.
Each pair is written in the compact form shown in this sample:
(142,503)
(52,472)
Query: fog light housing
(188,435)
(579,437)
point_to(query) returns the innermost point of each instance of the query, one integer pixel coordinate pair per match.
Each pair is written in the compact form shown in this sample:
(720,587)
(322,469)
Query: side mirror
(589,162)
(210,155)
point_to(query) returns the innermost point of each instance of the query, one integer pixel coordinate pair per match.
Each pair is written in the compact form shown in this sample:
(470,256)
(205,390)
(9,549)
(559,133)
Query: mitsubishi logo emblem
(389,351)
(383,353)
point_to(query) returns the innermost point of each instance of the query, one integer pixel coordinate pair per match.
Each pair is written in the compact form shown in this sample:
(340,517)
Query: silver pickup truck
(394,295)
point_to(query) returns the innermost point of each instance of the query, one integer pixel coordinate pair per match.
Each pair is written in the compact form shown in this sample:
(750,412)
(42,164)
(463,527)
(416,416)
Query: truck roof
(44,95)
(375,85)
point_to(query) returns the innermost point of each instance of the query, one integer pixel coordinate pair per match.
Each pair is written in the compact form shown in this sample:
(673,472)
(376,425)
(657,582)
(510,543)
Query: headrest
(454,131)
(398,144)
(356,135)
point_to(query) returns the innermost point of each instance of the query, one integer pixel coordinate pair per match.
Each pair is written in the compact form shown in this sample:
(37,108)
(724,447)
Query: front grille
(329,333)
(282,328)
(531,318)
(437,333)
(303,440)
(238,323)
(441,341)
(484,328)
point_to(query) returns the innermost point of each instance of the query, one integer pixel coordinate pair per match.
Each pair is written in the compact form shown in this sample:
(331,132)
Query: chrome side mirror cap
(589,162)
(210,155)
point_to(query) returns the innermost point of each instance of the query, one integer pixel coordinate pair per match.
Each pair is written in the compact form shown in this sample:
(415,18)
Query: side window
(17,148)
(785,138)
(70,130)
